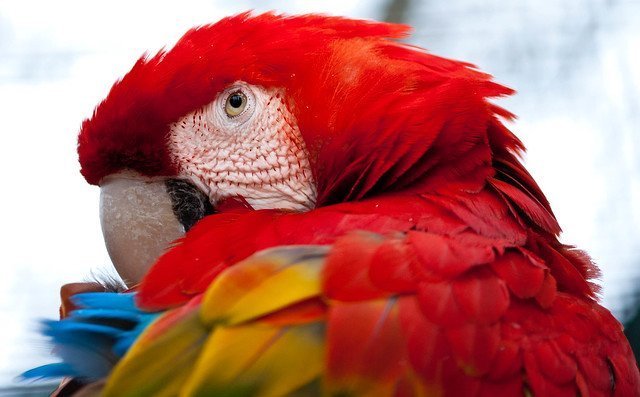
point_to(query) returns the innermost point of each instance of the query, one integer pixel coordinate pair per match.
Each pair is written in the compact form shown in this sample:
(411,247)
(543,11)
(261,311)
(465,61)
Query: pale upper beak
(139,222)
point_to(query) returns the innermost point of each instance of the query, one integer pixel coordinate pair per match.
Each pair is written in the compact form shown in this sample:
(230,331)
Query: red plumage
(456,276)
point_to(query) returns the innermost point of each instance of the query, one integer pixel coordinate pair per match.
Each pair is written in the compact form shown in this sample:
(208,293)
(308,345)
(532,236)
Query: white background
(576,65)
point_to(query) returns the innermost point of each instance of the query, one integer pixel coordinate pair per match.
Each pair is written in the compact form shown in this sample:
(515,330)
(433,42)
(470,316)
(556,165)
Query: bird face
(244,144)
(277,112)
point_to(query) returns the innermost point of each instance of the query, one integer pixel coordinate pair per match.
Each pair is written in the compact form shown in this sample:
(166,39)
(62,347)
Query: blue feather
(57,370)
(93,338)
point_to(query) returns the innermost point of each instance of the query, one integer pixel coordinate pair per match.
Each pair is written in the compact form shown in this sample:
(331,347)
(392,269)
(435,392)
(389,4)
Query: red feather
(445,249)
(366,349)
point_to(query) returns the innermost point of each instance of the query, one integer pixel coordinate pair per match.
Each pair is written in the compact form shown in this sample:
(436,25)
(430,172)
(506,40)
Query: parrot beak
(141,216)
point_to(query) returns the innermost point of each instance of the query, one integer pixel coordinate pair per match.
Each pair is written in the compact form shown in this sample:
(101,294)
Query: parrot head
(289,113)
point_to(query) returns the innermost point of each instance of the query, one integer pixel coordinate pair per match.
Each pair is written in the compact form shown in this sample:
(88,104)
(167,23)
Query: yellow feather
(239,357)
(264,283)
(258,360)
(159,367)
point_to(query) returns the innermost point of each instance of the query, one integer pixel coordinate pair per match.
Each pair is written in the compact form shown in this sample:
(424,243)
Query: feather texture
(227,343)
(471,332)
(95,337)
(441,273)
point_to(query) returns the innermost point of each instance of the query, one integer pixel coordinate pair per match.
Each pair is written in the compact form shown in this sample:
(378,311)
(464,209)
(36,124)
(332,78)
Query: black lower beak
(189,203)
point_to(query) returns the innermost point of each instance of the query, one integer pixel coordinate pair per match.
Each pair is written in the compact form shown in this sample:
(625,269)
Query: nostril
(189,203)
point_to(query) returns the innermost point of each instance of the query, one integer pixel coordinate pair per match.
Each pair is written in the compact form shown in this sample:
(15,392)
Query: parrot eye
(235,104)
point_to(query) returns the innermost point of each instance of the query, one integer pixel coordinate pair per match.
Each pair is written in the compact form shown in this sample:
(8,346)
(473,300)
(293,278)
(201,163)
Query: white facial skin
(245,143)
(254,150)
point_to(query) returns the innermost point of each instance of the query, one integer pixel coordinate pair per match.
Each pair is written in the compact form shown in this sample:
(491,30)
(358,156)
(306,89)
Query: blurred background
(575,64)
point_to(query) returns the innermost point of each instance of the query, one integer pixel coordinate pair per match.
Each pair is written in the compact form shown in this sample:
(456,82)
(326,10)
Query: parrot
(307,205)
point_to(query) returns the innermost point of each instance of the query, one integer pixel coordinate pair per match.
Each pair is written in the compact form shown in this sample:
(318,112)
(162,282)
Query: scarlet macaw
(358,220)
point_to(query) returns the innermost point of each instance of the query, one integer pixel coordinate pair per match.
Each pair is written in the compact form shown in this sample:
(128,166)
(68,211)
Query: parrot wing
(415,314)
(257,321)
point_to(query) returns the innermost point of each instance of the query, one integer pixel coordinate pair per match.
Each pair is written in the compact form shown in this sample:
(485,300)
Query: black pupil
(235,100)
